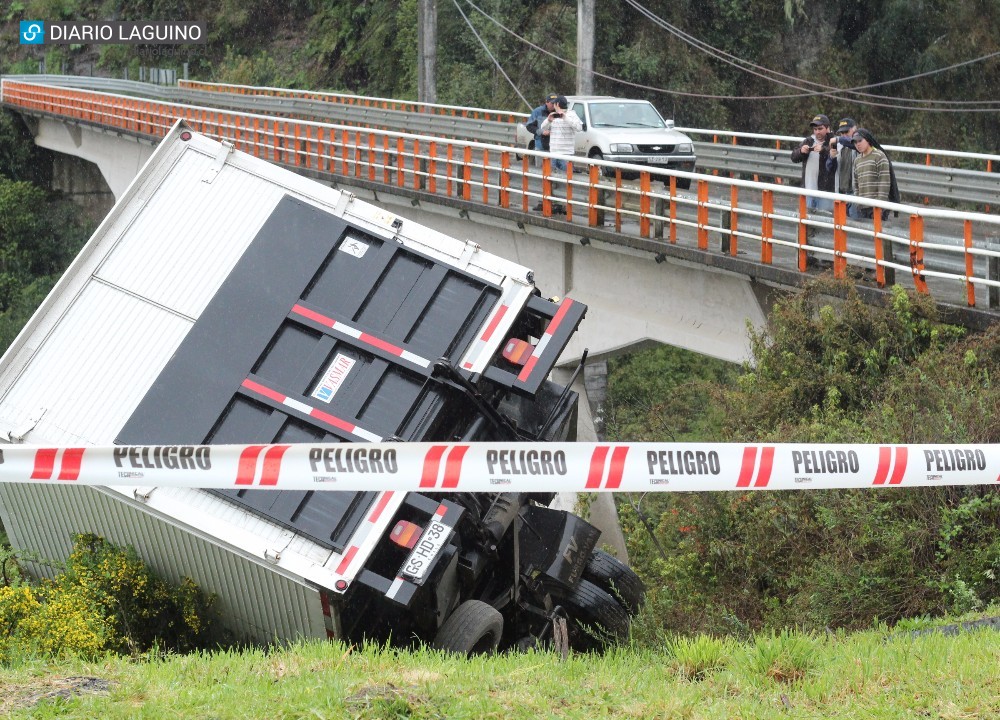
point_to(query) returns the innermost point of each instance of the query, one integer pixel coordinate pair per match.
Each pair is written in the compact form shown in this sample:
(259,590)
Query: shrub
(107,599)
(832,370)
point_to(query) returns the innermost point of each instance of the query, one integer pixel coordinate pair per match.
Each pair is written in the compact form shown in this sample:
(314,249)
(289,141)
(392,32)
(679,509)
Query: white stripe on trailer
(394,589)
(494,330)
(313,412)
(368,535)
(360,335)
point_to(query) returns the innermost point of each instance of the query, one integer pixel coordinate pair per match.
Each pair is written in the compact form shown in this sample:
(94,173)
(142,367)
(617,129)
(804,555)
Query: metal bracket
(220,161)
(468,251)
(17,434)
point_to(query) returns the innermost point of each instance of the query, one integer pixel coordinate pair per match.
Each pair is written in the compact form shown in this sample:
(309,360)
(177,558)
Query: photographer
(818,155)
(562,127)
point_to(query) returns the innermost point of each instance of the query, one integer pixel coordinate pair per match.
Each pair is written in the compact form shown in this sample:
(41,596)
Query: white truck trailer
(228,300)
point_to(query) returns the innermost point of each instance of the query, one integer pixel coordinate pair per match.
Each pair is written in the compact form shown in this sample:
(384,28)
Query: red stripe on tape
(900,469)
(432,462)
(884,461)
(247,468)
(746,469)
(766,463)
(597,467)
(617,468)
(45,460)
(272,464)
(453,466)
(71,459)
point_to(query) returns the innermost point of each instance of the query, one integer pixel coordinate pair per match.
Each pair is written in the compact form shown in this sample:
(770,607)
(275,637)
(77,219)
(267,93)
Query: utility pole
(427,51)
(585,46)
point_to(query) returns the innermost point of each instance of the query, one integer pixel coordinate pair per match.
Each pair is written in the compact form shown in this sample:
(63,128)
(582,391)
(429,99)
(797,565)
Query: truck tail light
(406,534)
(517,351)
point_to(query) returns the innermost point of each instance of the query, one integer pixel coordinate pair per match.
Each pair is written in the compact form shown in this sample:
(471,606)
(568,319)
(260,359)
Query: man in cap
(846,154)
(818,155)
(534,123)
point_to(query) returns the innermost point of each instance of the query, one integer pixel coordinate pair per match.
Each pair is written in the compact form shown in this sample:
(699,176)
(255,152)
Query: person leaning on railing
(874,178)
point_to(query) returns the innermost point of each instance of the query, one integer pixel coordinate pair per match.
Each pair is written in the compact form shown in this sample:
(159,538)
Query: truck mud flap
(555,544)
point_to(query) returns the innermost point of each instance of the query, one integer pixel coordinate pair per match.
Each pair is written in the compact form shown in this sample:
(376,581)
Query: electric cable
(495,61)
(710,96)
(723,55)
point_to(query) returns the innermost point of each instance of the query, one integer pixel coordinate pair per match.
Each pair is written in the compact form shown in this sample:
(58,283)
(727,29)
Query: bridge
(656,263)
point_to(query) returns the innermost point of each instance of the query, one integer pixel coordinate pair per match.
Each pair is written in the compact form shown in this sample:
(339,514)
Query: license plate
(422,556)
(659,160)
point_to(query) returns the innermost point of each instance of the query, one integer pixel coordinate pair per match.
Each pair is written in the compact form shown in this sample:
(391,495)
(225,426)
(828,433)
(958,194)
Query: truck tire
(474,628)
(597,620)
(617,579)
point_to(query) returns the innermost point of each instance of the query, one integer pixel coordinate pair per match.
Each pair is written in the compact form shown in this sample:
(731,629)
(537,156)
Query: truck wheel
(596,619)
(617,579)
(474,628)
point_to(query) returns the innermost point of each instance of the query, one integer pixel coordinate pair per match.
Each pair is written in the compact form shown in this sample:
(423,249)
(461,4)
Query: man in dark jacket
(818,155)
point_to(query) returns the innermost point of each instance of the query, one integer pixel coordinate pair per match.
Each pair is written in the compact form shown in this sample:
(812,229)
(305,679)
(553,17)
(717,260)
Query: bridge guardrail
(924,182)
(472,172)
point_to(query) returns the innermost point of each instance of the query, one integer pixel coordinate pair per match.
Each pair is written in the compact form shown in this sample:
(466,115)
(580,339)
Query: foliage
(784,656)
(38,238)
(107,599)
(698,656)
(878,675)
(663,393)
(829,368)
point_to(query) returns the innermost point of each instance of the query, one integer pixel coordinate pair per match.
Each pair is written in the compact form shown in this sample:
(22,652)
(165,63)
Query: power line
(495,62)
(823,89)
(710,96)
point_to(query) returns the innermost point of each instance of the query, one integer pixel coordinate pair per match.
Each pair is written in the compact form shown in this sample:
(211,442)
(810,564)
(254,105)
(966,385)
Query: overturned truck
(228,300)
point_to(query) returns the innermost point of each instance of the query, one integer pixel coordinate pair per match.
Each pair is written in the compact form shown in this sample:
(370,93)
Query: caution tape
(501,467)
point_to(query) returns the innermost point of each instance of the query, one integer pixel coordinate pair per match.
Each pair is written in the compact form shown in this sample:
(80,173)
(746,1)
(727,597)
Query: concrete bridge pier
(118,157)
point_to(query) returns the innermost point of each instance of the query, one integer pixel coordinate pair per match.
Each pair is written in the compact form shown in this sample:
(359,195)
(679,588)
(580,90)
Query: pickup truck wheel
(596,619)
(617,579)
(474,628)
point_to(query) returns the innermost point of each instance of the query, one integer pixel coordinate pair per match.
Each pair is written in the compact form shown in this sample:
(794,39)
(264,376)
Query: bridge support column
(119,157)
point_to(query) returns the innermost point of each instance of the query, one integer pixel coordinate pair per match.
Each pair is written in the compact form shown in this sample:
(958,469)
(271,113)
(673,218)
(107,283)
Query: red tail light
(406,534)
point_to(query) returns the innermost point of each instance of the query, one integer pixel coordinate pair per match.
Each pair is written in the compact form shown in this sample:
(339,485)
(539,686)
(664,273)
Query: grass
(868,675)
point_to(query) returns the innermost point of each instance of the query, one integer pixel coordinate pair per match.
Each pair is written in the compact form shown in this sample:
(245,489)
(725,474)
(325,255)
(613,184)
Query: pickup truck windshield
(619,114)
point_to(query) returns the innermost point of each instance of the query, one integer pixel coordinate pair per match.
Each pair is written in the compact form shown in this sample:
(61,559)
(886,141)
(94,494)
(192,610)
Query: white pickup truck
(625,131)
(227,300)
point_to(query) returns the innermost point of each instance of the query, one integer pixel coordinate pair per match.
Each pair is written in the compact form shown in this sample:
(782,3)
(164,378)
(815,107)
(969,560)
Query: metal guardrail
(918,182)
(744,213)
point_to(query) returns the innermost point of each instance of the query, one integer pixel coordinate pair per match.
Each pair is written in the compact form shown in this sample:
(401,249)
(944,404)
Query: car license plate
(657,160)
(422,556)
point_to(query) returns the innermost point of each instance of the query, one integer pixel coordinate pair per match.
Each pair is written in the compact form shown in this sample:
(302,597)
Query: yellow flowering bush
(107,599)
